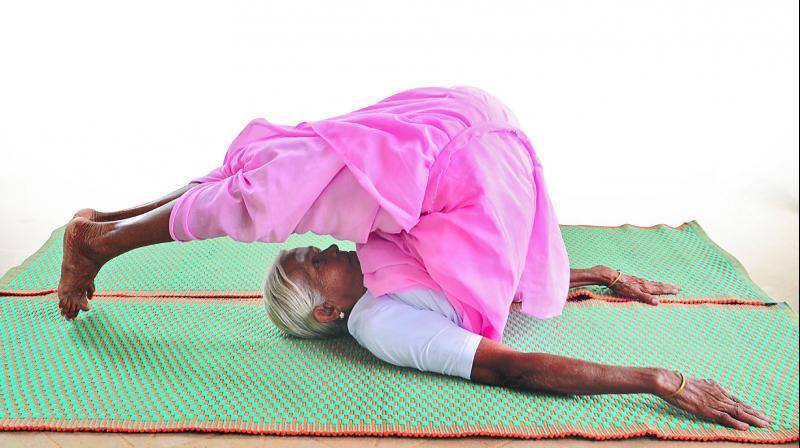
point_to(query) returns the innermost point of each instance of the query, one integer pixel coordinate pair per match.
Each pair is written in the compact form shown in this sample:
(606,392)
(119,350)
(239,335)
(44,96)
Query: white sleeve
(406,336)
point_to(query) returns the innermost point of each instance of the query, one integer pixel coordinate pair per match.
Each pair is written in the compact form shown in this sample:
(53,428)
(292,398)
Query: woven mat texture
(178,339)
(167,364)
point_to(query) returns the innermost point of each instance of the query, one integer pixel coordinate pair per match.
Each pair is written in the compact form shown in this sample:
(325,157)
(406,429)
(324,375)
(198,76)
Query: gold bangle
(616,279)
(680,388)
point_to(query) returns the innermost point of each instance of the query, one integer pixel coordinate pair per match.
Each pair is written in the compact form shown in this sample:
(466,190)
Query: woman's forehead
(296,258)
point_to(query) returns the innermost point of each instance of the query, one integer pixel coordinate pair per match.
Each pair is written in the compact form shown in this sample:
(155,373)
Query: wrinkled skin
(707,399)
(642,290)
(79,266)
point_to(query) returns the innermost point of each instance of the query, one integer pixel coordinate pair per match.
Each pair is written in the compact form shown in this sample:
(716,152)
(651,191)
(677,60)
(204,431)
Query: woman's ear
(326,312)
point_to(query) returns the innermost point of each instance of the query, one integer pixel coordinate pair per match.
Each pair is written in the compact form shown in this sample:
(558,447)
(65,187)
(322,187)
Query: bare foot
(79,266)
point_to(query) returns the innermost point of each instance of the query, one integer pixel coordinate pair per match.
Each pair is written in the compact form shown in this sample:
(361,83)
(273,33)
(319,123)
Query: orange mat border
(731,435)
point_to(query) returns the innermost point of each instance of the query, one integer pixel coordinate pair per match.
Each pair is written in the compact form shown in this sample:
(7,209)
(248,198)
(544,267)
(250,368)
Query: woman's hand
(640,289)
(707,399)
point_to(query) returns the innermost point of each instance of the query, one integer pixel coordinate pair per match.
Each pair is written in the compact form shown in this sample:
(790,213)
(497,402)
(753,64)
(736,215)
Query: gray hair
(290,305)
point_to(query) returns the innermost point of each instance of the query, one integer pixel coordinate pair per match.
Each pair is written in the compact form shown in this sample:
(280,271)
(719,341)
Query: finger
(738,412)
(750,410)
(647,298)
(660,288)
(725,419)
(651,287)
(666,289)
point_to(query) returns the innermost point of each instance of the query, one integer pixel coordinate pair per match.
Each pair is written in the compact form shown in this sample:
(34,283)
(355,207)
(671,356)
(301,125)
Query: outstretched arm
(407,336)
(627,285)
(497,364)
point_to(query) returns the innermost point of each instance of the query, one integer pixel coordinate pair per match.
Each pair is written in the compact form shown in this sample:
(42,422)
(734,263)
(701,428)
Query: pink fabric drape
(437,186)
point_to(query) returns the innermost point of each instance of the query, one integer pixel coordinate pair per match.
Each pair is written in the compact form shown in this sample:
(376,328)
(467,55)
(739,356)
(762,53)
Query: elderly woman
(445,199)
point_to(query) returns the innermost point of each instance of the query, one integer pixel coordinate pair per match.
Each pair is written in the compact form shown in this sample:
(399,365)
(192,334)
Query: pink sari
(452,197)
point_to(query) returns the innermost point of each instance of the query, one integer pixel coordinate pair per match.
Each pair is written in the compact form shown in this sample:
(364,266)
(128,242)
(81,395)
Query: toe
(63,308)
(71,309)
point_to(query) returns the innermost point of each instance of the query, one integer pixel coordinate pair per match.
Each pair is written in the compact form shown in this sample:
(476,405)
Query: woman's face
(334,273)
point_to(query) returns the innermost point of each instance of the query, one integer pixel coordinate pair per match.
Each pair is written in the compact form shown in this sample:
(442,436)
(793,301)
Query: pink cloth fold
(437,186)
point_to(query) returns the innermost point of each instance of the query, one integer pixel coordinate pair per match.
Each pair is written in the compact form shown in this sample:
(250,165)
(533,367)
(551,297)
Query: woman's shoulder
(380,310)
(417,295)
(424,298)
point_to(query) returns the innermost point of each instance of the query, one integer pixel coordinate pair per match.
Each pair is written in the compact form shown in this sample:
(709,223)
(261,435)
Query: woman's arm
(497,364)
(595,275)
(627,285)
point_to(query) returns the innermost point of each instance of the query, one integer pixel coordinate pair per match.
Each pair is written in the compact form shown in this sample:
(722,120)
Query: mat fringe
(294,429)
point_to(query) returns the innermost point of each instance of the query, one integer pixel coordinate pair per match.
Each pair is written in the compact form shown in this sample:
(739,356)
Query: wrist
(604,275)
(665,382)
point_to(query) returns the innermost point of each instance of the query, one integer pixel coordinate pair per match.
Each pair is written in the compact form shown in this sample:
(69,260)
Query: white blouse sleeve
(407,336)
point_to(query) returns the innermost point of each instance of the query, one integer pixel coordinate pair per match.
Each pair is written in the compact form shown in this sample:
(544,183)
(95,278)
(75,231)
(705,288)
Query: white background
(641,112)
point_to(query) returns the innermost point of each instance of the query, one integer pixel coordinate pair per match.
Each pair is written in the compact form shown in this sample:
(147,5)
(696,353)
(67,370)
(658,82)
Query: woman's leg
(94,215)
(88,245)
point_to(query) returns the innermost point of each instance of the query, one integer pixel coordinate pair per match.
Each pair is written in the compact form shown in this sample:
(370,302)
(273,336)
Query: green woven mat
(170,364)
(224,267)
